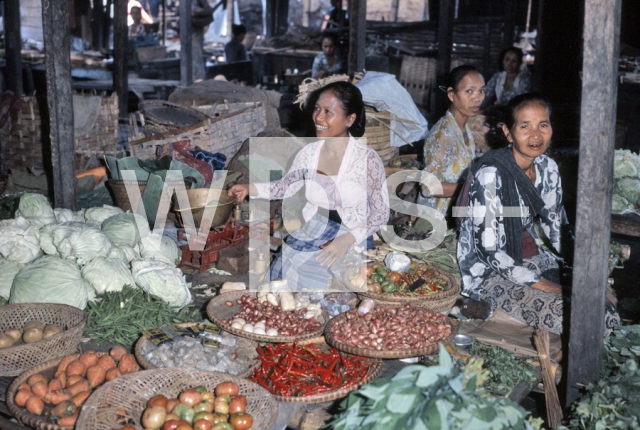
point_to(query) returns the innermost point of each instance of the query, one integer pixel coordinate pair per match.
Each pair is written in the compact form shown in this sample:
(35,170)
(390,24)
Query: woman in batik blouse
(512,201)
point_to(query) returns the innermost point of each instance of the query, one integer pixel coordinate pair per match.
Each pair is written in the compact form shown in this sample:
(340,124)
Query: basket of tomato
(175,398)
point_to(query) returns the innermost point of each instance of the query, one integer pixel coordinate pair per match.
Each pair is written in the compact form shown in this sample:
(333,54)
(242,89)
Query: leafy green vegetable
(505,370)
(435,397)
(120,317)
(628,188)
(625,164)
(444,256)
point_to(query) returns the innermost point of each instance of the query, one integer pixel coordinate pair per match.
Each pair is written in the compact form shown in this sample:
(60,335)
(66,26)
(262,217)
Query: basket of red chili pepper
(312,373)
(421,286)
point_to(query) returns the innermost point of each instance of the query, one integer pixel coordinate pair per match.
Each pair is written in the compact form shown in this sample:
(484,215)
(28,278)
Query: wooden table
(628,224)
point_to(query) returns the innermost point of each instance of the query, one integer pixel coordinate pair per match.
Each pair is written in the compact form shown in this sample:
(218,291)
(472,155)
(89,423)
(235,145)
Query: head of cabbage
(160,247)
(126,229)
(107,274)
(8,271)
(629,189)
(96,216)
(76,241)
(19,240)
(626,164)
(67,215)
(36,209)
(161,279)
(50,279)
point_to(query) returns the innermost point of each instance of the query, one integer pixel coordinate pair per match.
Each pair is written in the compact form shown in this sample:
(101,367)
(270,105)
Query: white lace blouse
(360,195)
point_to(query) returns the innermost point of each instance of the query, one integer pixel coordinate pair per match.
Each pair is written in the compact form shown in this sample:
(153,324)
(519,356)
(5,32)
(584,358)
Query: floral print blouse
(495,88)
(482,250)
(446,157)
(321,63)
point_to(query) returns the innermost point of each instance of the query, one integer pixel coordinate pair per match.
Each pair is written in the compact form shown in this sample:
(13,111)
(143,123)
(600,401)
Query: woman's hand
(335,249)
(240,190)
(548,287)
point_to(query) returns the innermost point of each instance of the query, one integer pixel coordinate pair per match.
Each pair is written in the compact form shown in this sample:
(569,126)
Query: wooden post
(445,45)
(593,219)
(357,35)
(186,55)
(306,8)
(97,18)
(13,46)
(164,22)
(394,10)
(229,18)
(120,56)
(55,31)
(509,23)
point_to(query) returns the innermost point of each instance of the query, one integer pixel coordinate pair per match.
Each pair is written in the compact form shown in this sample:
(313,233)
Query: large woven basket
(21,414)
(217,310)
(131,392)
(120,196)
(17,359)
(394,354)
(144,340)
(378,134)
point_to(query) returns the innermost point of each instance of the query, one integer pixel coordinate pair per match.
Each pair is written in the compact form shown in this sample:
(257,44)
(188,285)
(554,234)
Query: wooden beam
(120,57)
(445,46)
(13,46)
(509,23)
(595,181)
(394,10)
(186,55)
(357,35)
(306,9)
(97,18)
(55,31)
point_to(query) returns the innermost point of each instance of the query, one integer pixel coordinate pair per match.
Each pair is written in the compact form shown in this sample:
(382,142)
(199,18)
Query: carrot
(62,367)
(80,398)
(55,384)
(69,421)
(40,389)
(113,373)
(58,396)
(98,173)
(74,379)
(89,358)
(21,396)
(35,405)
(117,352)
(128,364)
(76,367)
(64,409)
(35,378)
(96,375)
(107,362)
(79,386)
(62,377)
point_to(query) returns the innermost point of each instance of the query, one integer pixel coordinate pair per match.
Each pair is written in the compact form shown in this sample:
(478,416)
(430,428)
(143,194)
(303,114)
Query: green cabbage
(67,215)
(161,248)
(123,229)
(620,204)
(629,189)
(76,241)
(107,274)
(626,164)
(19,240)
(96,216)
(8,270)
(50,280)
(36,209)
(161,279)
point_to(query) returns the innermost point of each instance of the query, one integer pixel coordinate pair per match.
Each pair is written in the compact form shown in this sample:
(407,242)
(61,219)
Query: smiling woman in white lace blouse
(345,189)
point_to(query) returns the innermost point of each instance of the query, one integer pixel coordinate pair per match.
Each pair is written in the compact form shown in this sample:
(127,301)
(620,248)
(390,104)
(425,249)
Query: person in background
(506,84)
(235,50)
(449,147)
(145,17)
(137,28)
(335,16)
(502,257)
(327,62)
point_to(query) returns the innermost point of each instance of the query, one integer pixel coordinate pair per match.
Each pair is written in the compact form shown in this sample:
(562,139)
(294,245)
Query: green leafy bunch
(436,397)
(505,370)
(623,344)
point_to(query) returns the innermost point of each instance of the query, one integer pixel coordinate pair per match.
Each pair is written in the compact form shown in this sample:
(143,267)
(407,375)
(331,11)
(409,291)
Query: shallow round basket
(119,189)
(144,340)
(39,422)
(217,310)
(388,170)
(393,354)
(18,358)
(129,394)
(438,302)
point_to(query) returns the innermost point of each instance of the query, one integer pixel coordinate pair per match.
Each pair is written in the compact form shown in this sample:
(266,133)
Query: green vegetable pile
(444,256)
(613,402)
(437,397)
(120,316)
(626,175)
(505,370)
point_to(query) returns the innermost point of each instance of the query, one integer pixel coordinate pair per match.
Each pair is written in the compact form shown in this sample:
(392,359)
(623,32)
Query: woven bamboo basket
(245,344)
(392,354)
(375,368)
(119,189)
(17,359)
(217,310)
(160,116)
(39,422)
(418,76)
(224,132)
(378,134)
(131,392)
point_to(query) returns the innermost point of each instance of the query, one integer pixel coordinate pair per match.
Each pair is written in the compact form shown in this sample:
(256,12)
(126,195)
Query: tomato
(184,427)
(208,396)
(171,404)
(374,287)
(171,425)
(128,428)
(229,388)
(154,417)
(202,424)
(205,416)
(203,407)
(393,276)
(238,404)
(221,406)
(370,270)
(200,389)
(185,412)
(225,397)
(240,421)
(158,400)
(190,397)
(172,416)
(222,426)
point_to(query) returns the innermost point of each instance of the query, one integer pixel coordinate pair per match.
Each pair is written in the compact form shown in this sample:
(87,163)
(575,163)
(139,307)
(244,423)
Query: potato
(5,341)
(32,335)
(33,324)
(50,330)
(14,333)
